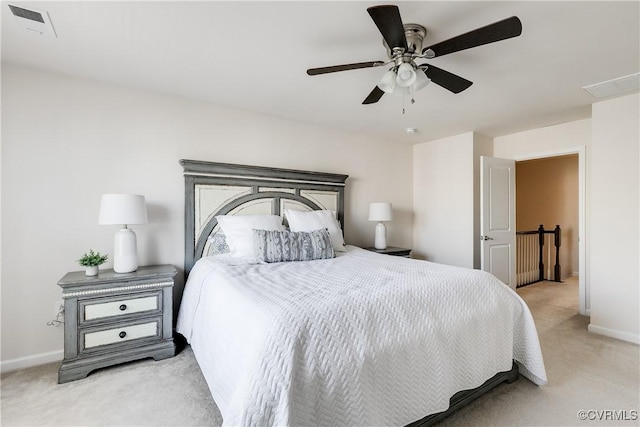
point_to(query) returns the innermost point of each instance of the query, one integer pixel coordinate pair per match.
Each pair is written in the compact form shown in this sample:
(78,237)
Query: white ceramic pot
(91,271)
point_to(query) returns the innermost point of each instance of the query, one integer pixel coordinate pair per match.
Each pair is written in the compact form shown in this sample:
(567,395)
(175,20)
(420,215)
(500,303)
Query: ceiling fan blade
(387,19)
(374,96)
(501,30)
(345,67)
(447,80)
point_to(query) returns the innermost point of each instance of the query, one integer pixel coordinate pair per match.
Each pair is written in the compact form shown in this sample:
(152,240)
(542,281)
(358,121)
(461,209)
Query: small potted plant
(91,261)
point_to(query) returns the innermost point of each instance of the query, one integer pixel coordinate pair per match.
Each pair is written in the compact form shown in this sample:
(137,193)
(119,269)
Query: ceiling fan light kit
(403,43)
(410,79)
(421,81)
(388,82)
(406,75)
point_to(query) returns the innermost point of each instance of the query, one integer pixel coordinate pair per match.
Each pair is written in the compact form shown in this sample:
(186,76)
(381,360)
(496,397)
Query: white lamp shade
(122,209)
(388,82)
(421,80)
(406,75)
(380,211)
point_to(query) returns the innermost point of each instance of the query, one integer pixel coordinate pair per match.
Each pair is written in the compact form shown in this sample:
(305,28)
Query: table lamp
(123,209)
(380,211)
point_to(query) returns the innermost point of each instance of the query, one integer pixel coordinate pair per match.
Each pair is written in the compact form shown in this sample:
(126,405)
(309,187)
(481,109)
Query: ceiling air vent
(33,20)
(614,87)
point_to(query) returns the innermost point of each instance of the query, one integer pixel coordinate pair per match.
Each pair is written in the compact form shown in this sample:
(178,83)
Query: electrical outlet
(58,309)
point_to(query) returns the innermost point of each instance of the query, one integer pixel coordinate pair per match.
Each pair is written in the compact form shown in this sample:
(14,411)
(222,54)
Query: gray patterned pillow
(217,244)
(279,246)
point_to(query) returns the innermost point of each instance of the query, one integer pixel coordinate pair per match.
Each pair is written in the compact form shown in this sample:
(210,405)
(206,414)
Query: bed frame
(213,189)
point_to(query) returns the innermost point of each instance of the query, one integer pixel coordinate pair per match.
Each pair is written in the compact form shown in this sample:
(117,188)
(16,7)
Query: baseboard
(30,361)
(620,335)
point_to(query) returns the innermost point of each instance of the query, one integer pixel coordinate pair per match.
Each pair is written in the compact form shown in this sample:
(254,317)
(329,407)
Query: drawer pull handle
(123,307)
(122,334)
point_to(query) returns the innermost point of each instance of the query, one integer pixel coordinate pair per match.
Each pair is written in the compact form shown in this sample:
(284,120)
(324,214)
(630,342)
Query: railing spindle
(541,243)
(556,270)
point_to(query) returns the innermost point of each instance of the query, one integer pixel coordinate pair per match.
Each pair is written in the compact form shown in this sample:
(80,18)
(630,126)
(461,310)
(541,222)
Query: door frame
(584,296)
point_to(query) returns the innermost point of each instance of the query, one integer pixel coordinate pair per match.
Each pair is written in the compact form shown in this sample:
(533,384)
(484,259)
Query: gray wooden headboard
(227,189)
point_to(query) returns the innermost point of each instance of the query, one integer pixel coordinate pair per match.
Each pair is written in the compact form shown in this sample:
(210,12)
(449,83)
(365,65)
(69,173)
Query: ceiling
(253,56)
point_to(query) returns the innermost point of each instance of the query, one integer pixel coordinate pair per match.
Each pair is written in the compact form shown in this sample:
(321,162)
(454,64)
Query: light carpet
(585,371)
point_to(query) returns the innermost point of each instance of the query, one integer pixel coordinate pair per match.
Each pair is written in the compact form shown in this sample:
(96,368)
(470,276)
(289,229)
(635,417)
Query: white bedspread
(362,339)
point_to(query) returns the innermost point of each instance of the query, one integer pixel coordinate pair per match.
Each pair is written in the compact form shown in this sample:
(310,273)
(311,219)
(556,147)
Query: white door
(498,218)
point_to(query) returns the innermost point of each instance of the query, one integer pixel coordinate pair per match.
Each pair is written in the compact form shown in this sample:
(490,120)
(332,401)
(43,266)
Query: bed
(356,338)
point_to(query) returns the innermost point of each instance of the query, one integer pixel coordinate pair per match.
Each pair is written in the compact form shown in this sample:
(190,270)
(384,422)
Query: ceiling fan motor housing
(414,34)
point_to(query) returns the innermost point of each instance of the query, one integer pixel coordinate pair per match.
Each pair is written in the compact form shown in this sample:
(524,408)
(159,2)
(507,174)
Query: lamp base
(125,251)
(381,236)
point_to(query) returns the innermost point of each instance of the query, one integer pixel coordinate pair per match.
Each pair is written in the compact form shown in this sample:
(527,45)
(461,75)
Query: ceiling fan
(404,48)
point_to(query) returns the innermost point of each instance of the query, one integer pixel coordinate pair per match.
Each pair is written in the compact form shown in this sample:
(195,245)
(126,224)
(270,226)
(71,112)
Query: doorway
(550,191)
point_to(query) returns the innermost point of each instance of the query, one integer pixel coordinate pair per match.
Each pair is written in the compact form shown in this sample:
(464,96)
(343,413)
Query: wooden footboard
(465,397)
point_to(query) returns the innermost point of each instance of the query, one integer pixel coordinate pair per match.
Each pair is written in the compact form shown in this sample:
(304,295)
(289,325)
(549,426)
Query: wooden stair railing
(524,276)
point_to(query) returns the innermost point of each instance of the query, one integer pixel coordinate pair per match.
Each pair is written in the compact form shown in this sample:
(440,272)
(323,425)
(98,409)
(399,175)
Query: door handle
(486,238)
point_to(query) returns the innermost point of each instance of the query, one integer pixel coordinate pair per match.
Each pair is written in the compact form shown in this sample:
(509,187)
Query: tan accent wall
(547,193)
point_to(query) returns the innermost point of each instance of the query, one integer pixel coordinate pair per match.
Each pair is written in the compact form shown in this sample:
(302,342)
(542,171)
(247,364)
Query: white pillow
(238,230)
(316,220)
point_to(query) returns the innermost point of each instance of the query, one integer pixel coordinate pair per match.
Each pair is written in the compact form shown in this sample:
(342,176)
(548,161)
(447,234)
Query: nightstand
(116,317)
(392,250)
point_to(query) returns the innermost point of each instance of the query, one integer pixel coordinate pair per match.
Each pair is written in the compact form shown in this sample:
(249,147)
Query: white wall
(443,195)
(67,141)
(446,198)
(543,140)
(614,213)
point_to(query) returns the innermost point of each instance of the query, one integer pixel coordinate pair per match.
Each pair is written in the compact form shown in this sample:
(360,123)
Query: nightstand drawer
(104,308)
(91,339)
